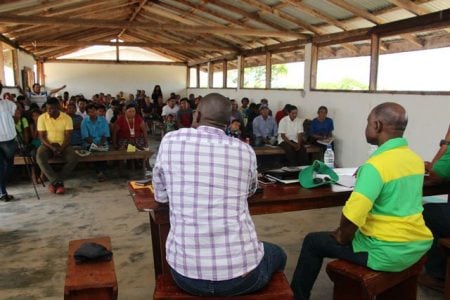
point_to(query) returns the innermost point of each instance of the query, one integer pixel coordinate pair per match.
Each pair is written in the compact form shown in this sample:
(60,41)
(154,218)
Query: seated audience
(22,126)
(281,113)
(55,128)
(290,138)
(35,141)
(101,111)
(169,124)
(235,113)
(75,139)
(95,131)
(265,129)
(381,225)
(170,108)
(265,102)
(130,128)
(244,109)
(212,247)
(233,129)
(437,218)
(81,109)
(321,127)
(184,114)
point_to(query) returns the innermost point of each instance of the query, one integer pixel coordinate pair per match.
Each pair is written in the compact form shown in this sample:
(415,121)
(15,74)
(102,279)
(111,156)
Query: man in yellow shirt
(55,128)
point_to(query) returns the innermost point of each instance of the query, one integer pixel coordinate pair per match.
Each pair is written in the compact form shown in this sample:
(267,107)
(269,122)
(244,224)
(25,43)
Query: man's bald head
(213,110)
(392,115)
(386,121)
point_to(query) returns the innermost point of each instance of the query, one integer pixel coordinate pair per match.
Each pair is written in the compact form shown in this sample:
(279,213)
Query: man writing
(54,129)
(381,224)
(206,177)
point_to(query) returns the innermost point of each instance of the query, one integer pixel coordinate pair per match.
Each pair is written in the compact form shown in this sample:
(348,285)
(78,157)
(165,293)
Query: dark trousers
(274,260)
(437,218)
(7,150)
(317,246)
(44,153)
(295,157)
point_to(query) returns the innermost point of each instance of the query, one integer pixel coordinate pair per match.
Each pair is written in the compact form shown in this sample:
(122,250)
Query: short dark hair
(53,101)
(291,108)
(35,84)
(322,107)
(91,106)
(184,100)
(100,106)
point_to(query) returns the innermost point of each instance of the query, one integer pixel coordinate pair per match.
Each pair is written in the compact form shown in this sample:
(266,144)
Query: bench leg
(407,290)
(349,290)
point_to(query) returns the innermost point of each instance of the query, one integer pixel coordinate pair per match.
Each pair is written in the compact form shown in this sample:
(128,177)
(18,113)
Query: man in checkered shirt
(206,177)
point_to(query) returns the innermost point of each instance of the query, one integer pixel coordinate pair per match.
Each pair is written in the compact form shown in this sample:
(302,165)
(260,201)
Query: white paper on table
(435,199)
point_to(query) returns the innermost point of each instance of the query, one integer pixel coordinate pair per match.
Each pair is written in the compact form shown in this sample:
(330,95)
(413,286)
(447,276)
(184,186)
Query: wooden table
(275,198)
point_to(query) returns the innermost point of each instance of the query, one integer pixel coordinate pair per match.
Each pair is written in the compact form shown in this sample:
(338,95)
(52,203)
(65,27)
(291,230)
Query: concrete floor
(34,237)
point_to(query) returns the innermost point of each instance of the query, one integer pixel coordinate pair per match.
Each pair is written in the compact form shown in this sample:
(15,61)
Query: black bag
(92,252)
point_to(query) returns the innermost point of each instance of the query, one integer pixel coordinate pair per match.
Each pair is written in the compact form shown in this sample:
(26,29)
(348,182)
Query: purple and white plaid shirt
(207,177)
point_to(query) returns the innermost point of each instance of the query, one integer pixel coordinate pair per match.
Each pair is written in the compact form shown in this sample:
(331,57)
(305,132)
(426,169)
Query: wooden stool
(90,281)
(356,282)
(445,244)
(277,289)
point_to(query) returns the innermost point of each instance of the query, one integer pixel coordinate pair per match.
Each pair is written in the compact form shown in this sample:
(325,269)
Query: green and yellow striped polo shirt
(442,166)
(386,205)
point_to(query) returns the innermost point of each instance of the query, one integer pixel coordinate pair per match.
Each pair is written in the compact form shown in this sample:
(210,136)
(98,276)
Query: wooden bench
(95,156)
(354,282)
(90,281)
(445,245)
(277,289)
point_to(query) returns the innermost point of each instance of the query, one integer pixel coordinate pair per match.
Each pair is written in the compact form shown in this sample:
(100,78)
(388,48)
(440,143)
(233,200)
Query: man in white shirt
(39,96)
(7,143)
(290,136)
(171,108)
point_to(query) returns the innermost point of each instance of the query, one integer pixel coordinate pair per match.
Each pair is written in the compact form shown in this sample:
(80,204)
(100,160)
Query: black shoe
(6,198)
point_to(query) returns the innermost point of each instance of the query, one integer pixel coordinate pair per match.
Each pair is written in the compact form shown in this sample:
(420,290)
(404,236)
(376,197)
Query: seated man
(212,246)
(381,224)
(95,134)
(54,128)
(264,128)
(75,138)
(290,137)
(321,127)
(437,218)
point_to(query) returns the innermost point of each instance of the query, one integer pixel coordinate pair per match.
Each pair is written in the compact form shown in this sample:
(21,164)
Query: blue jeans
(316,247)
(7,150)
(437,218)
(274,260)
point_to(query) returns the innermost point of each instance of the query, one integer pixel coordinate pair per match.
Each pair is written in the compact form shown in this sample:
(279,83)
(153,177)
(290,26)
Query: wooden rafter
(133,16)
(53,42)
(410,6)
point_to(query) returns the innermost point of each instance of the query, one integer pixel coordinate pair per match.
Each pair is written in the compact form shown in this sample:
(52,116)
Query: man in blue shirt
(265,129)
(95,131)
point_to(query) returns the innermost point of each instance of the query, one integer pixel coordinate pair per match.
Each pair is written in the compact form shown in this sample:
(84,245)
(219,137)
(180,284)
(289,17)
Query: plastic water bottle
(328,157)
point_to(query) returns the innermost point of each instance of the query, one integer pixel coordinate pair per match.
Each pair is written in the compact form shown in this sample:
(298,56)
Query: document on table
(346,180)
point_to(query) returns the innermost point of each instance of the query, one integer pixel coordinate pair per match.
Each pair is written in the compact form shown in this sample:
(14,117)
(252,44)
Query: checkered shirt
(207,177)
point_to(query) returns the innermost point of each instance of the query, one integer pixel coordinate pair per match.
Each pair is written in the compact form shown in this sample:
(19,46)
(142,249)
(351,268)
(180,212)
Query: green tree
(344,84)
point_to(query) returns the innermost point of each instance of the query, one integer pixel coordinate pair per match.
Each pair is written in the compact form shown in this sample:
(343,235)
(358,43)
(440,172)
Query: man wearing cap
(264,128)
(290,136)
(381,226)
(206,177)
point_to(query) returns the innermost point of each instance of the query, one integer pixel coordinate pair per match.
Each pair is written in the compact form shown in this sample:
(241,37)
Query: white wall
(90,79)
(428,116)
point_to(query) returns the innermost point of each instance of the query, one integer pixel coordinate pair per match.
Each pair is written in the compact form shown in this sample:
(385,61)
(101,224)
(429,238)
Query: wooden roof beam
(318,14)
(282,15)
(133,16)
(410,6)
(6,18)
(40,43)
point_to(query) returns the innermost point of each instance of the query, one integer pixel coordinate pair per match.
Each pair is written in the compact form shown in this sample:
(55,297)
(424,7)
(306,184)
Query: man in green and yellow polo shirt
(54,129)
(437,218)
(382,226)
